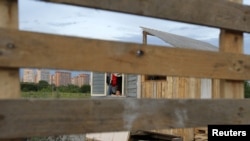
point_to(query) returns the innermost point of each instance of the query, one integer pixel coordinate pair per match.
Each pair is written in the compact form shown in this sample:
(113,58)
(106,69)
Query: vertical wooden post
(231,41)
(9,82)
(144,41)
(144,37)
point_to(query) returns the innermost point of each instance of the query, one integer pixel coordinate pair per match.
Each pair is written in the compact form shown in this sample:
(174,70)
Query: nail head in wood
(10,45)
(139,53)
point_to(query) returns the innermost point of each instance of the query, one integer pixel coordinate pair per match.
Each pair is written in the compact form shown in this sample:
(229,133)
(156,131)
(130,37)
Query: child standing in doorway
(114,80)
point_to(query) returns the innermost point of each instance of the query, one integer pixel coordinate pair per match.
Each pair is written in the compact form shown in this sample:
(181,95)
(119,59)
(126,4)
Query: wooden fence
(26,118)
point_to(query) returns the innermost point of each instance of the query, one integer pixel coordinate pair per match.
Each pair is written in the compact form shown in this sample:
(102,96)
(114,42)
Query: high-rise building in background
(62,78)
(42,74)
(85,79)
(28,75)
(59,78)
(52,79)
(74,80)
(80,80)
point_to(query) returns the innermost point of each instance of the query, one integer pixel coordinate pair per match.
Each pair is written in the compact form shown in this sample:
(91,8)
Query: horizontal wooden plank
(26,49)
(25,118)
(214,13)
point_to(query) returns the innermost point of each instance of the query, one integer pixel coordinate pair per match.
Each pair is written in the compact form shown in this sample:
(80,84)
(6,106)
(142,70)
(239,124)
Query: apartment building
(28,75)
(80,80)
(52,79)
(62,78)
(86,79)
(42,74)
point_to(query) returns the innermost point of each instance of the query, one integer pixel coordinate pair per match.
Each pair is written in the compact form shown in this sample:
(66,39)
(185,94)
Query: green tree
(247,89)
(85,89)
(52,87)
(69,89)
(26,87)
(73,88)
(43,85)
(62,89)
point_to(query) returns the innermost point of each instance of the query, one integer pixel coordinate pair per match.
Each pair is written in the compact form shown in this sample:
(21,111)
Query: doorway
(117,85)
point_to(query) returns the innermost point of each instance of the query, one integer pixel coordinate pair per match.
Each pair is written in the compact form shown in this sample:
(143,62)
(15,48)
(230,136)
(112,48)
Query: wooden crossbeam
(27,49)
(214,13)
(25,118)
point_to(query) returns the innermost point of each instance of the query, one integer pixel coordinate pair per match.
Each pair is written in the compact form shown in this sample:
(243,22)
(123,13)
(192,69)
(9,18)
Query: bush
(85,89)
(247,89)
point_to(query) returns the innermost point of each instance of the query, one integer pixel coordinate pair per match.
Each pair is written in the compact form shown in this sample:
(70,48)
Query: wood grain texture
(184,88)
(9,83)
(232,42)
(25,118)
(215,88)
(9,77)
(59,52)
(9,14)
(214,13)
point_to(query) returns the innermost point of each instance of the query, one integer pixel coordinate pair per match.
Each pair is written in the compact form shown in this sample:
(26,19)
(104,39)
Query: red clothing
(113,80)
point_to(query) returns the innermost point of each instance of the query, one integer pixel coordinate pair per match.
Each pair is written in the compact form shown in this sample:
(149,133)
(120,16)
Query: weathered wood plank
(9,77)
(9,14)
(169,93)
(9,82)
(215,88)
(214,13)
(231,41)
(21,118)
(59,52)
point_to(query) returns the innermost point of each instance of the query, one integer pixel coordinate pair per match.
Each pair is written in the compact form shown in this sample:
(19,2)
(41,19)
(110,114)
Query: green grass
(54,95)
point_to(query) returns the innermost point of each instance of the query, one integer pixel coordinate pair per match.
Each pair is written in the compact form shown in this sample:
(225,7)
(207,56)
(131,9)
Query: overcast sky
(98,24)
